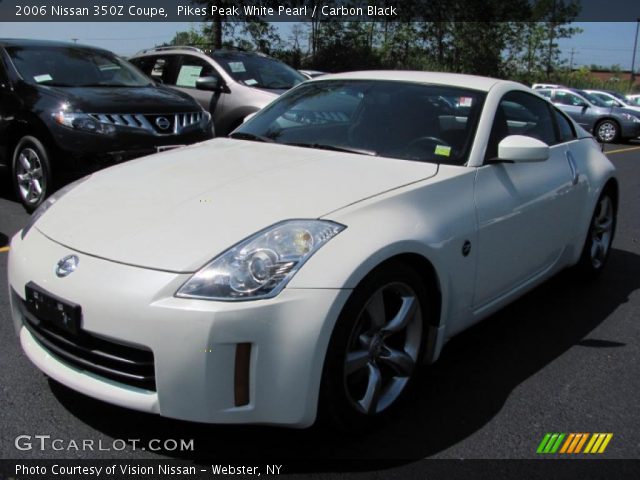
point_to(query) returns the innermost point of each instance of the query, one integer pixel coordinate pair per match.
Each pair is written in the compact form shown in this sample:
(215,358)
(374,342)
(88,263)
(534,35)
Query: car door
(525,210)
(576,107)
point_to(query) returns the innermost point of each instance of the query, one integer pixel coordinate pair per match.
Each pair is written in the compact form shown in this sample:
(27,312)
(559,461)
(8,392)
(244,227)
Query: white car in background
(314,260)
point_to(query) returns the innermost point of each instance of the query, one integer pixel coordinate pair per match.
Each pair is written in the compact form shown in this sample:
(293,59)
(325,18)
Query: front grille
(123,363)
(157,124)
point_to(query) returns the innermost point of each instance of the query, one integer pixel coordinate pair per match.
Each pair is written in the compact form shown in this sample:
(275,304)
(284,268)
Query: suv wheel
(31,172)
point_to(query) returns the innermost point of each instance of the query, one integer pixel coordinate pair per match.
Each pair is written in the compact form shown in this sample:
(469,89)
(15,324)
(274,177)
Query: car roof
(599,90)
(191,50)
(450,79)
(25,42)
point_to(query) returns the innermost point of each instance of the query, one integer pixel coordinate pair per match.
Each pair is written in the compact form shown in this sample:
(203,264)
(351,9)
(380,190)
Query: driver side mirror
(519,148)
(212,84)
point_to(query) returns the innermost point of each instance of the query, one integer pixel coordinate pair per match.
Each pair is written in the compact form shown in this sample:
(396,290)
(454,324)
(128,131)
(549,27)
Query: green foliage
(467,36)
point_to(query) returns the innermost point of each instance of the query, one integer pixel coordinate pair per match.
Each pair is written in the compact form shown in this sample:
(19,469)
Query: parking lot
(564,358)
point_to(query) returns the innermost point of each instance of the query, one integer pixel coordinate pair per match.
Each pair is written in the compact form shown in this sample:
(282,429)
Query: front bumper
(194,342)
(630,130)
(81,152)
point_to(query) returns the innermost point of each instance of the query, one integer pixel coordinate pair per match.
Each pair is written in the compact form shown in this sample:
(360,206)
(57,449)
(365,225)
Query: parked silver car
(608,124)
(231,84)
(613,99)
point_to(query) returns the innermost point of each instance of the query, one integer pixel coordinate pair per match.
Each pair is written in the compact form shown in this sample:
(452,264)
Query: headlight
(261,265)
(630,117)
(84,122)
(44,206)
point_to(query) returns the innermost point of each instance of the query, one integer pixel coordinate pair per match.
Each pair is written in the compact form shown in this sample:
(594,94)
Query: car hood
(176,210)
(151,99)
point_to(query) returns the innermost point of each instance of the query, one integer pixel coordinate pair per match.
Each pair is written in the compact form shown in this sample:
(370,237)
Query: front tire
(607,131)
(31,172)
(597,246)
(375,348)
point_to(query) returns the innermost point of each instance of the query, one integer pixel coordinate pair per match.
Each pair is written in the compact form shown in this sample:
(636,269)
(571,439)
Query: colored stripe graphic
(573,443)
(567,443)
(598,442)
(581,443)
(605,443)
(550,443)
(543,443)
(556,446)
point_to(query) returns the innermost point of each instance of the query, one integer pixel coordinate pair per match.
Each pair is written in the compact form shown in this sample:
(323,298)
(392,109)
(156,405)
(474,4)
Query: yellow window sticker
(443,150)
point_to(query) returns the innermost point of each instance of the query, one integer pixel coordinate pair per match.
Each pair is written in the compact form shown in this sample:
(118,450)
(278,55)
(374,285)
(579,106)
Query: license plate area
(53,310)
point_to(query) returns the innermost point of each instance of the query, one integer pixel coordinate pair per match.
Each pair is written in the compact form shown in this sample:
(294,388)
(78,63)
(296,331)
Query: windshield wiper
(250,136)
(334,148)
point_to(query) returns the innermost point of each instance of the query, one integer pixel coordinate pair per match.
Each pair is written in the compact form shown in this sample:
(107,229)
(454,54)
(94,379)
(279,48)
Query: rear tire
(375,349)
(31,172)
(597,245)
(607,131)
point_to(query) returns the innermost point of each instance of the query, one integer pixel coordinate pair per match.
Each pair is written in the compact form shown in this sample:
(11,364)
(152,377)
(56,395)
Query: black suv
(68,109)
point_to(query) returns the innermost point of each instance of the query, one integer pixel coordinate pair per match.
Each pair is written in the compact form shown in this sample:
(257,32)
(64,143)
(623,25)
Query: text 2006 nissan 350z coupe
(310,263)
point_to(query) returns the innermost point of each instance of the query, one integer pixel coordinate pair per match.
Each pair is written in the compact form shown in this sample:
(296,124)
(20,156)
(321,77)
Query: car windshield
(612,102)
(409,121)
(258,71)
(593,99)
(71,66)
(619,96)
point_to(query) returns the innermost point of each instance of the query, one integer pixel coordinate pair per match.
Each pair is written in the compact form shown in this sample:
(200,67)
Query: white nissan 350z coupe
(312,261)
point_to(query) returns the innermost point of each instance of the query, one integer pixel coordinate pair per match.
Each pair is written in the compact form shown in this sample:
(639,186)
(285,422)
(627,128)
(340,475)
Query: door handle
(574,170)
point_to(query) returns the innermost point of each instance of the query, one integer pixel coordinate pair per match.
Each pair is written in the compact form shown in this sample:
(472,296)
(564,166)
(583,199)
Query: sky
(600,43)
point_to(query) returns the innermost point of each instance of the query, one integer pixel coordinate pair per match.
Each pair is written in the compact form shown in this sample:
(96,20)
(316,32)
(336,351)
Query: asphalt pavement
(564,358)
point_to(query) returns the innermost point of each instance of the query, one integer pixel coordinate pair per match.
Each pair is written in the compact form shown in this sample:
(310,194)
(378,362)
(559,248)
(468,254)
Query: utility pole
(633,60)
(552,32)
(573,50)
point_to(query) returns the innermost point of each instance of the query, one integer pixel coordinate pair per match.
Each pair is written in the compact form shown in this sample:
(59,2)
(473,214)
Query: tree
(193,36)
(557,16)
(254,29)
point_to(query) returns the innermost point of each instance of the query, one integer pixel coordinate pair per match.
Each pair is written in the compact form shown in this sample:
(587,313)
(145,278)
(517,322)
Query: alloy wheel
(30,176)
(383,348)
(607,131)
(601,232)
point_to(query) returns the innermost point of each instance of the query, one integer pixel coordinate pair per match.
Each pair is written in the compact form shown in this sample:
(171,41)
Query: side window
(192,68)
(160,68)
(566,98)
(565,128)
(520,113)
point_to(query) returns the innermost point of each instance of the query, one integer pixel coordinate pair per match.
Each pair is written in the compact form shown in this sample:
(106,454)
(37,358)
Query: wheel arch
(605,119)
(26,126)
(612,186)
(434,283)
